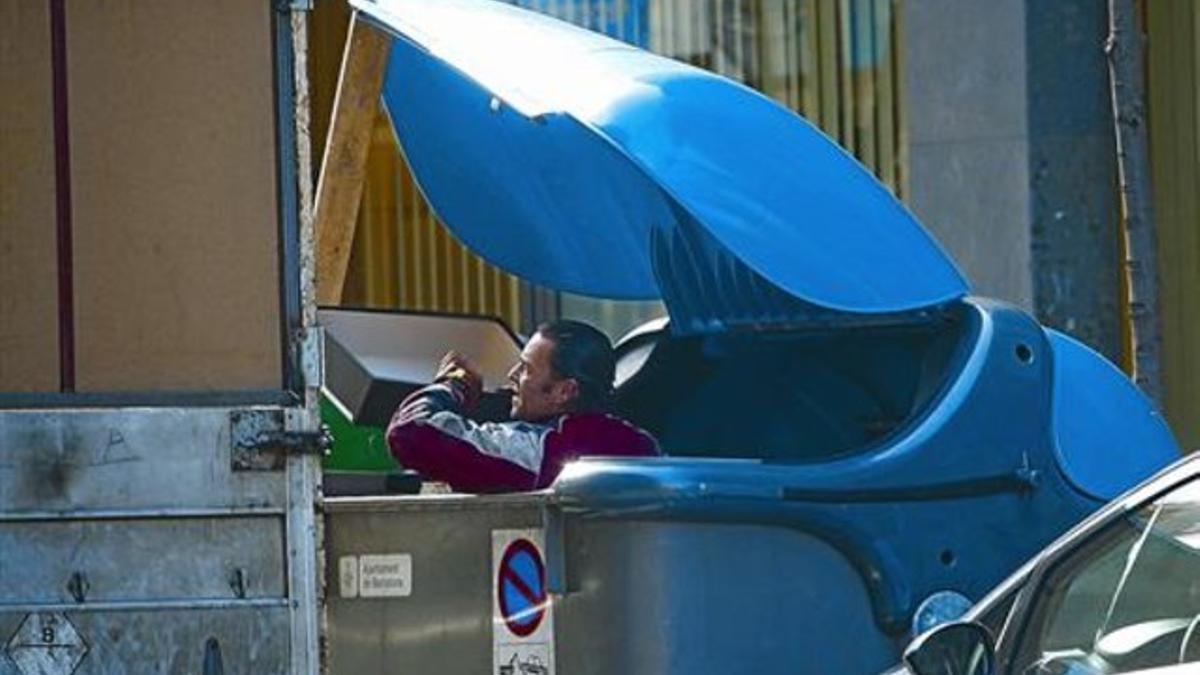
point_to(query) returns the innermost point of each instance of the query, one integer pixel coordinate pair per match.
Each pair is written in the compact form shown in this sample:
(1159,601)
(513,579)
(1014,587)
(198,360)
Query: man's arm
(431,434)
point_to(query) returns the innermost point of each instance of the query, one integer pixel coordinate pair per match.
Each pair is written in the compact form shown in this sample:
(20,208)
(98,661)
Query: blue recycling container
(856,447)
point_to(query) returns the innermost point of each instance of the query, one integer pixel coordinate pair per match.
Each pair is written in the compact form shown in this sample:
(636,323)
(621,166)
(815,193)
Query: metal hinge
(262,443)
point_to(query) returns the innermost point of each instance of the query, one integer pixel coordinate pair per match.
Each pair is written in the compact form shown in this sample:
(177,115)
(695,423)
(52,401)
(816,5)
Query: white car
(1119,593)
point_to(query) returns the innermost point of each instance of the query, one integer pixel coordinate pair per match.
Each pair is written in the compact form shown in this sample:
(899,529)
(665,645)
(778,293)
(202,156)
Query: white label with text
(385,576)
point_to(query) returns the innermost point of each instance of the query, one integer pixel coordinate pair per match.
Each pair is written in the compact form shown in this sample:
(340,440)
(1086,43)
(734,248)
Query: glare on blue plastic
(554,152)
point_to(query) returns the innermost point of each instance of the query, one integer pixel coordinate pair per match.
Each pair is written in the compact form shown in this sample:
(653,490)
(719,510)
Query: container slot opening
(788,396)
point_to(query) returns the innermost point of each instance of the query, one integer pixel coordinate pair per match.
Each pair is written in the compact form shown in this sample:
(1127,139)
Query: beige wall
(173,171)
(174,197)
(28,273)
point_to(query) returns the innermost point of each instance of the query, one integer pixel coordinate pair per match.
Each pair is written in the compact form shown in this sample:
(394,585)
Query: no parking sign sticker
(522,612)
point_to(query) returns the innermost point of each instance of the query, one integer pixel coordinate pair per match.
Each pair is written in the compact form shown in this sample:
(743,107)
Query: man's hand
(457,371)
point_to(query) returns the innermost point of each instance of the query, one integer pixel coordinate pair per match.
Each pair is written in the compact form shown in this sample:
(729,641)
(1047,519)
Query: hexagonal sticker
(46,643)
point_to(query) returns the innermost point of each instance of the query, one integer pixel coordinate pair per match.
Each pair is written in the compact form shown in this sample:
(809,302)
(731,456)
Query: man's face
(539,392)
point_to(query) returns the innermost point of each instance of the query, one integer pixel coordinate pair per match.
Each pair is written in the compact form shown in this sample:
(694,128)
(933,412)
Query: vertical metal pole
(286,136)
(303,536)
(1127,62)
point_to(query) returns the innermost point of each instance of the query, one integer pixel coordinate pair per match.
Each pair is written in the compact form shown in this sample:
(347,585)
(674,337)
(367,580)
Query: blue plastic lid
(1108,436)
(588,165)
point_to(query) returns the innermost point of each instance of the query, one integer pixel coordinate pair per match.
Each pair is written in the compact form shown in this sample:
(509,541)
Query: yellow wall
(1174,63)
(833,61)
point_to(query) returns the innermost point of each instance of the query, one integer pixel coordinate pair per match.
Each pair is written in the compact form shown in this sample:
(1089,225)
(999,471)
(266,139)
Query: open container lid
(374,358)
(587,165)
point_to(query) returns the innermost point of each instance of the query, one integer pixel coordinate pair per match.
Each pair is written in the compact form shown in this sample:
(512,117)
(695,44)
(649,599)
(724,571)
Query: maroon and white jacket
(430,435)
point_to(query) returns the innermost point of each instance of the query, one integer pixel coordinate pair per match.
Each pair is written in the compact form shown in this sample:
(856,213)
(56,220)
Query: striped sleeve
(430,435)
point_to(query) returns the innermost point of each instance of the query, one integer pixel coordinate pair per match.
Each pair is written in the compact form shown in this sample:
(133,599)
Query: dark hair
(585,354)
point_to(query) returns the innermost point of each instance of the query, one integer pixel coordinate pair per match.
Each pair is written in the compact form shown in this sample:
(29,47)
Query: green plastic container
(355,447)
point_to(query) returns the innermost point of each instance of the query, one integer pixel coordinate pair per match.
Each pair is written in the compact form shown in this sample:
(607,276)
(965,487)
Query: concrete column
(1010,159)
(968,137)
(1075,212)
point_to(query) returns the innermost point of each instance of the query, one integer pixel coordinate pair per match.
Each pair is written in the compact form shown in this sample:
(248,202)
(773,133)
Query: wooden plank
(343,169)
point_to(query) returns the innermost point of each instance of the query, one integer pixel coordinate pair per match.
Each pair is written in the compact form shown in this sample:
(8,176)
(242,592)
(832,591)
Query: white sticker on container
(46,643)
(523,659)
(348,576)
(385,576)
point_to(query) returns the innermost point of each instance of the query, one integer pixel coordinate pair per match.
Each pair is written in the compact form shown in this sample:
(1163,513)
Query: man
(562,387)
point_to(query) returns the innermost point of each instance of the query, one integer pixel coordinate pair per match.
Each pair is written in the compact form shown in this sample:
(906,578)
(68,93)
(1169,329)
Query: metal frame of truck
(176,529)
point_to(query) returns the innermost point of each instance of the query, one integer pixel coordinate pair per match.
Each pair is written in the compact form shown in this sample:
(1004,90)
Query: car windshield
(1126,602)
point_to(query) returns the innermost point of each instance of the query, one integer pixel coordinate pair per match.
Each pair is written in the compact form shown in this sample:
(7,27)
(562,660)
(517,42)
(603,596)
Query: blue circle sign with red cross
(521,587)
